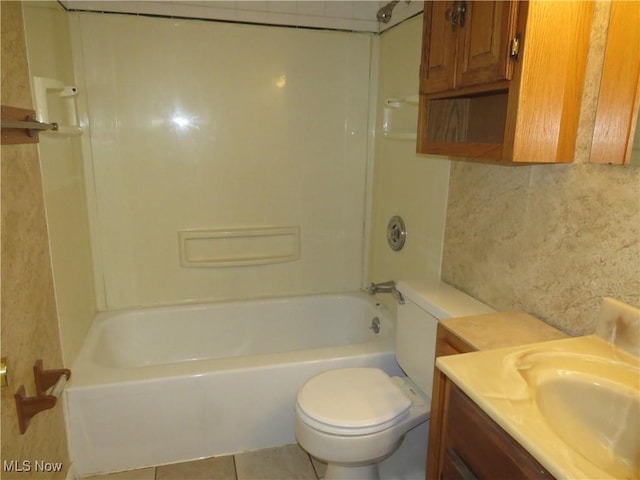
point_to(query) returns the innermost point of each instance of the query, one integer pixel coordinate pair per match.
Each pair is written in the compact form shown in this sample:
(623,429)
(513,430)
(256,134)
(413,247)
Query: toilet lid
(351,401)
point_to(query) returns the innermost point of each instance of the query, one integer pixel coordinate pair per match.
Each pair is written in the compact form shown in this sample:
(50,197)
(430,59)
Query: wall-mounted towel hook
(45,379)
(49,386)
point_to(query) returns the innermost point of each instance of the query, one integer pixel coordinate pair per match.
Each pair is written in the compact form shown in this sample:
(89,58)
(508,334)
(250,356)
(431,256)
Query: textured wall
(551,240)
(29,319)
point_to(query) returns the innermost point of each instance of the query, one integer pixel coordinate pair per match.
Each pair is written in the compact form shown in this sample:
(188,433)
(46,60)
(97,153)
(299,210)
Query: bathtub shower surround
(63,177)
(198,125)
(164,385)
(405,183)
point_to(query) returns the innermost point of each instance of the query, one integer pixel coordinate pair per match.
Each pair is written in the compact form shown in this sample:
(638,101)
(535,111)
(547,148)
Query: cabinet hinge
(514,47)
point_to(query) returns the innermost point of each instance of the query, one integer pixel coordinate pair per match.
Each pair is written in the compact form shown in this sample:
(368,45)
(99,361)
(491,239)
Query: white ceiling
(357,16)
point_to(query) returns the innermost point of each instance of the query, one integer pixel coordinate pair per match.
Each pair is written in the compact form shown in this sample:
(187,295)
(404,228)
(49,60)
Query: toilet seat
(352,401)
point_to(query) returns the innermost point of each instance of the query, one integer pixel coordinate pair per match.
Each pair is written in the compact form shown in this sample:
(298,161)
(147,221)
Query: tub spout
(386,287)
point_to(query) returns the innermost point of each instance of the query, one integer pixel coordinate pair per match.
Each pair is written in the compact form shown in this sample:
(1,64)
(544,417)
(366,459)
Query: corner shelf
(400,116)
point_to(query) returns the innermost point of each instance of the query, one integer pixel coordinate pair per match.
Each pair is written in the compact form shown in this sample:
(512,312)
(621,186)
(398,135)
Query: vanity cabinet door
(447,343)
(474,446)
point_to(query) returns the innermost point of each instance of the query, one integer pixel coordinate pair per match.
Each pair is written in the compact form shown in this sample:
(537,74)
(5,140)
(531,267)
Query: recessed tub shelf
(239,246)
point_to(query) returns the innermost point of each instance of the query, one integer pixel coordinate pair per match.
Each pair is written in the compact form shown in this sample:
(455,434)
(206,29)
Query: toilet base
(342,472)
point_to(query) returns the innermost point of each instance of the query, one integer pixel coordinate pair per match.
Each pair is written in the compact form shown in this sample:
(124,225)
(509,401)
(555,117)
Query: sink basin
(573,403)
(592,404)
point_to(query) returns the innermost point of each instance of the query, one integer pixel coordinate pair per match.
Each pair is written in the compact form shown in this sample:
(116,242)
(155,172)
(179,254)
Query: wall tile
(318,14)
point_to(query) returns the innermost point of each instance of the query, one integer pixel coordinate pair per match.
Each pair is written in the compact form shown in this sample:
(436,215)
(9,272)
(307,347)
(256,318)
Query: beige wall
(49,53)
(29,320)
(274,133)
(405,184)
(550,240)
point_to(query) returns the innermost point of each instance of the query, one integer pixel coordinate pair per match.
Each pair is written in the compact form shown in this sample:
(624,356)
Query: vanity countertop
(504,382)
(501,329)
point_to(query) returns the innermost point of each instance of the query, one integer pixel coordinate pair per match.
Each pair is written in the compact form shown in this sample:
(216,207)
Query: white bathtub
(163,385)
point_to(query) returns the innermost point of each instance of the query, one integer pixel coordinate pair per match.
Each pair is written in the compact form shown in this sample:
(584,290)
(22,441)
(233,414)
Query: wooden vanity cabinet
(447,343)
(506,84)
(473,446)
(464,443)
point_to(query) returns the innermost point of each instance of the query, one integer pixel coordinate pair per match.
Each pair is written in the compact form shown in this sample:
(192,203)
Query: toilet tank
(426,304)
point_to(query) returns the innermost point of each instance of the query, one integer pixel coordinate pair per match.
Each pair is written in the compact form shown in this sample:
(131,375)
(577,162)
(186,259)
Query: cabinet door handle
(454,467)
(462,13)
(514,47)
(457,14)
(452,17)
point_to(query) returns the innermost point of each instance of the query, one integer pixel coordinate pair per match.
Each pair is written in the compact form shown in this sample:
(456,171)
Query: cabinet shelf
(487,151)
(464,125)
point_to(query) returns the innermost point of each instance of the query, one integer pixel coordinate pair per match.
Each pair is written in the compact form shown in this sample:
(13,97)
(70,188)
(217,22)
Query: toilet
(353,418)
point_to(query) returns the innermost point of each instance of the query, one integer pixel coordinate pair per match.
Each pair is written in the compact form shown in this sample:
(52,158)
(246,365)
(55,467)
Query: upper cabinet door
(438,48)
(619,101)
(485,43)
(466,43)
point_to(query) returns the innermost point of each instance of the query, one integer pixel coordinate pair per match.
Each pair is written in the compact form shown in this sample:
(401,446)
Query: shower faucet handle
(386,287)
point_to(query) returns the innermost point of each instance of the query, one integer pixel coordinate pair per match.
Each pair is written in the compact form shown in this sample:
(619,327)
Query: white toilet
(352,418)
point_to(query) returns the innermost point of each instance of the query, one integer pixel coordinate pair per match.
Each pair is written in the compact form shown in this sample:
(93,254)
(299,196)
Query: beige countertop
(499,382)
(501,329)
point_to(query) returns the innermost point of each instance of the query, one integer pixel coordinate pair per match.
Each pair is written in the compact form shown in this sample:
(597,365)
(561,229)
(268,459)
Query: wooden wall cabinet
(619,99)
(506,85)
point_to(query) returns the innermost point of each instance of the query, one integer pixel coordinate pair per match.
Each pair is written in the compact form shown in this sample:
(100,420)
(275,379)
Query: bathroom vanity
(452,412)
(564,408)
(473,446)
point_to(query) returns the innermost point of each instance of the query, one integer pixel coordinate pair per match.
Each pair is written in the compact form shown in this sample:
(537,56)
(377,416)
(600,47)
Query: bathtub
(162,385)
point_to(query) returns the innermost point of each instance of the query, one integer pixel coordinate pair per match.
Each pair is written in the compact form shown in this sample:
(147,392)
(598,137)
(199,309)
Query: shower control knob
(396,233)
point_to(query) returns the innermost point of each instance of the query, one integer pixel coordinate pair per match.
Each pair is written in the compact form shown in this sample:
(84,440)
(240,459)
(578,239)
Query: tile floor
(282,463)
